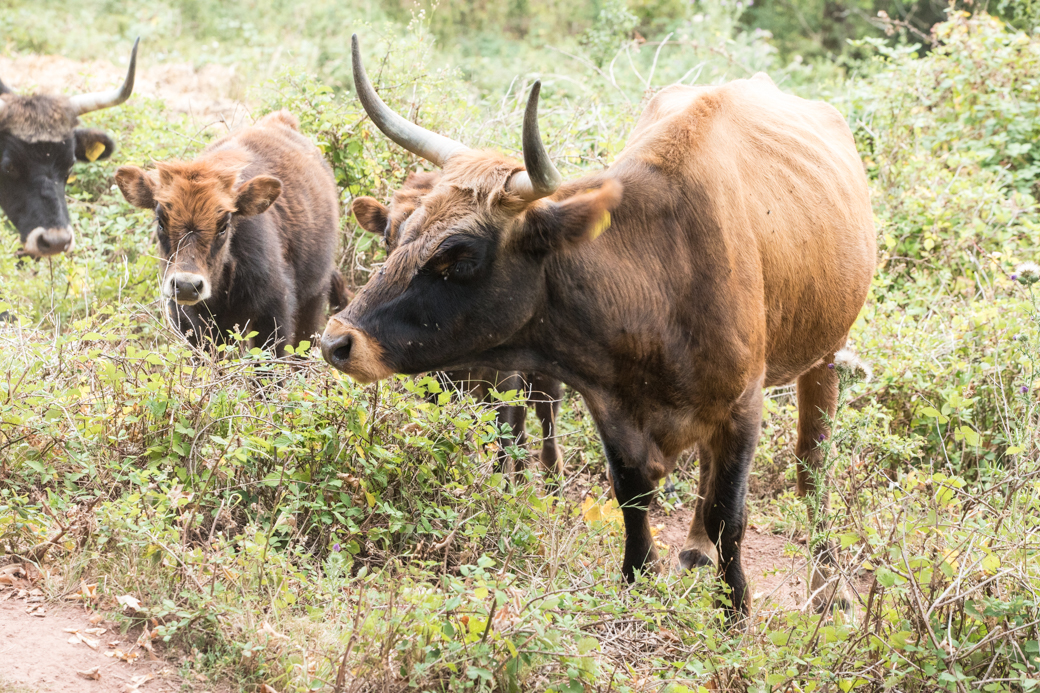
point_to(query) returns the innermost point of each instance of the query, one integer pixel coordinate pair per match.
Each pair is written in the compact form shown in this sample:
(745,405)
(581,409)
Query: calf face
(196,205)
(39,143)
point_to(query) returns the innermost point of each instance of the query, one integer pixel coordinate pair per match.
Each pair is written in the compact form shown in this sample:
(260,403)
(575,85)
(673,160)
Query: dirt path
(777,576)
(210,95)
(47,648)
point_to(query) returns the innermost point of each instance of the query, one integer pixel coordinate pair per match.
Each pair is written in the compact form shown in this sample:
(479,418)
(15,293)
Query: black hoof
(691,559)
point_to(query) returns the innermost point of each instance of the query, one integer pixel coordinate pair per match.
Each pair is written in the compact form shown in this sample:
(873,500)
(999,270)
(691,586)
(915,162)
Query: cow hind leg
(515,415)
(720,516)
(817,396)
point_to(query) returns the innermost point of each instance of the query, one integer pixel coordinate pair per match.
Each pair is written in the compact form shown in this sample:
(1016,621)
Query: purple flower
(1014,277)
(335,547)
(1025,389)
(822,437)
(831,366)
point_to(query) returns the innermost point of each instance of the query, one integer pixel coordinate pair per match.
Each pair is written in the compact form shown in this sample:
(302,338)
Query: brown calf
(730,247)
(247,232)
(545,393)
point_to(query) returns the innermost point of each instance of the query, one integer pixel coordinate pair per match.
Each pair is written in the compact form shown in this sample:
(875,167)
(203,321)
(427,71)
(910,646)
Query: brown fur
(739,253)
(276,272)
(38,118)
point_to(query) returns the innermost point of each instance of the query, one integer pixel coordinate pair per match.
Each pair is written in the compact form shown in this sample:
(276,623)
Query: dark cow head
(39,142)
(197,204)
(466,270)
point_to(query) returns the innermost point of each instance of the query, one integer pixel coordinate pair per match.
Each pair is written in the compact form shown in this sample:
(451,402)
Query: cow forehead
(197,195)
(41,118)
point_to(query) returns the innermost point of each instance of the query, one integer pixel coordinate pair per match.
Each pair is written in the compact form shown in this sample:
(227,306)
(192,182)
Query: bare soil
(48,647)
(210,95)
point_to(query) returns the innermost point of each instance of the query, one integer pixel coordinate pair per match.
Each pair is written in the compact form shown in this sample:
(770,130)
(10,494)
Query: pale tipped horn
(4,89)
(85,103)
(541,178)
(419,141)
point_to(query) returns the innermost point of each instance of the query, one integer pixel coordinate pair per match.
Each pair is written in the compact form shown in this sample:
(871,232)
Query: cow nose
(354,351)
(336,348)
(44,242)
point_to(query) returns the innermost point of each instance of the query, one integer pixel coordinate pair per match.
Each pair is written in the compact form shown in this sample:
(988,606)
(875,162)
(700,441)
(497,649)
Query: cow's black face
(466,275)
(32,186)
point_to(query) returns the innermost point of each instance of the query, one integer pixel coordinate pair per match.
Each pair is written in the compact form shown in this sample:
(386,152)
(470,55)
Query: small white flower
(850,364)
(1027,273)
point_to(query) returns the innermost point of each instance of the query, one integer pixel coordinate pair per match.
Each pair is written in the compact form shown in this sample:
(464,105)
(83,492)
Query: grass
(282,525)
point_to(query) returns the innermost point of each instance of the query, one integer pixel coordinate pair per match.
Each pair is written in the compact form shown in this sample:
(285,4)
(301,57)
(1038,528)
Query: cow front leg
(548,395)
(274,329)
(634,488)
(720,516)
(817,396)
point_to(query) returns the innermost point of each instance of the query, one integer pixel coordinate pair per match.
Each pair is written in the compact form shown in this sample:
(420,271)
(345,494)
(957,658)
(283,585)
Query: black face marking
(32,182)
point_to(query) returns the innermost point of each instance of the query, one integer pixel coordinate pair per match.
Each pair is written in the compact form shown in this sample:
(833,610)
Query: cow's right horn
(420,141)
(85,103)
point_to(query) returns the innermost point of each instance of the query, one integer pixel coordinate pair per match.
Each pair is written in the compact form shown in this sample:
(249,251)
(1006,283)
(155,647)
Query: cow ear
(93,145)
(554,226)
(256,195)
(137,186)
(370,214)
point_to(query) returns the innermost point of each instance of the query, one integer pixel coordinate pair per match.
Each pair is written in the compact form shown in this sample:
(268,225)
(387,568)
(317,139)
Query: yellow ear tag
(71,180)
(94,151)
(600,226)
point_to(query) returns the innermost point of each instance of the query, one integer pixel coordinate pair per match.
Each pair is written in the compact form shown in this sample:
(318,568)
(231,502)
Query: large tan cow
(730,247)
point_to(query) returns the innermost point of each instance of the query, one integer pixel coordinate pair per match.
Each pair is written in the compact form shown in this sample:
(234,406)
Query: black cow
(39,143)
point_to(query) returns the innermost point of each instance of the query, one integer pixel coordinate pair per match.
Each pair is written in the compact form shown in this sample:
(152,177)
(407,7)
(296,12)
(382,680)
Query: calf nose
(188,288)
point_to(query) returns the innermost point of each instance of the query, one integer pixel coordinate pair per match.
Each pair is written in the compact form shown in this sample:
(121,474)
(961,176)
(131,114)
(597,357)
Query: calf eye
(225,226)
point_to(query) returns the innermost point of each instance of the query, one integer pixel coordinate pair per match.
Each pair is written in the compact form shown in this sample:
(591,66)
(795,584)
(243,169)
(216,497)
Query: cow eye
(225,226)
(464,269)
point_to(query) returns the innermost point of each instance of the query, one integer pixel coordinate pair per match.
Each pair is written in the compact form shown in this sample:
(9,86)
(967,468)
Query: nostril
(43,245)
(341,353)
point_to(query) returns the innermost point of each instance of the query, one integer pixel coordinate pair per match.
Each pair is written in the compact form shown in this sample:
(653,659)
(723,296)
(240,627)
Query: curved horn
(541,178)
(85,103)
(4,89)
(420,141)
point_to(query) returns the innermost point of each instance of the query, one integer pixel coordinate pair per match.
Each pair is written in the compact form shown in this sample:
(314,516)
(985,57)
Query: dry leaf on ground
(93,674)
(126,600)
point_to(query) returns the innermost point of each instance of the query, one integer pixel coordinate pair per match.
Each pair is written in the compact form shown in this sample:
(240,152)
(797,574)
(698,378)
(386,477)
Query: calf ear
(370,214)
(137,186)
(556,225)
(256,195)
(93,145)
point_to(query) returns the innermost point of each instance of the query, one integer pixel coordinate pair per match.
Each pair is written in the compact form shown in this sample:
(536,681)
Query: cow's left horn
(541,178)
(85,103)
